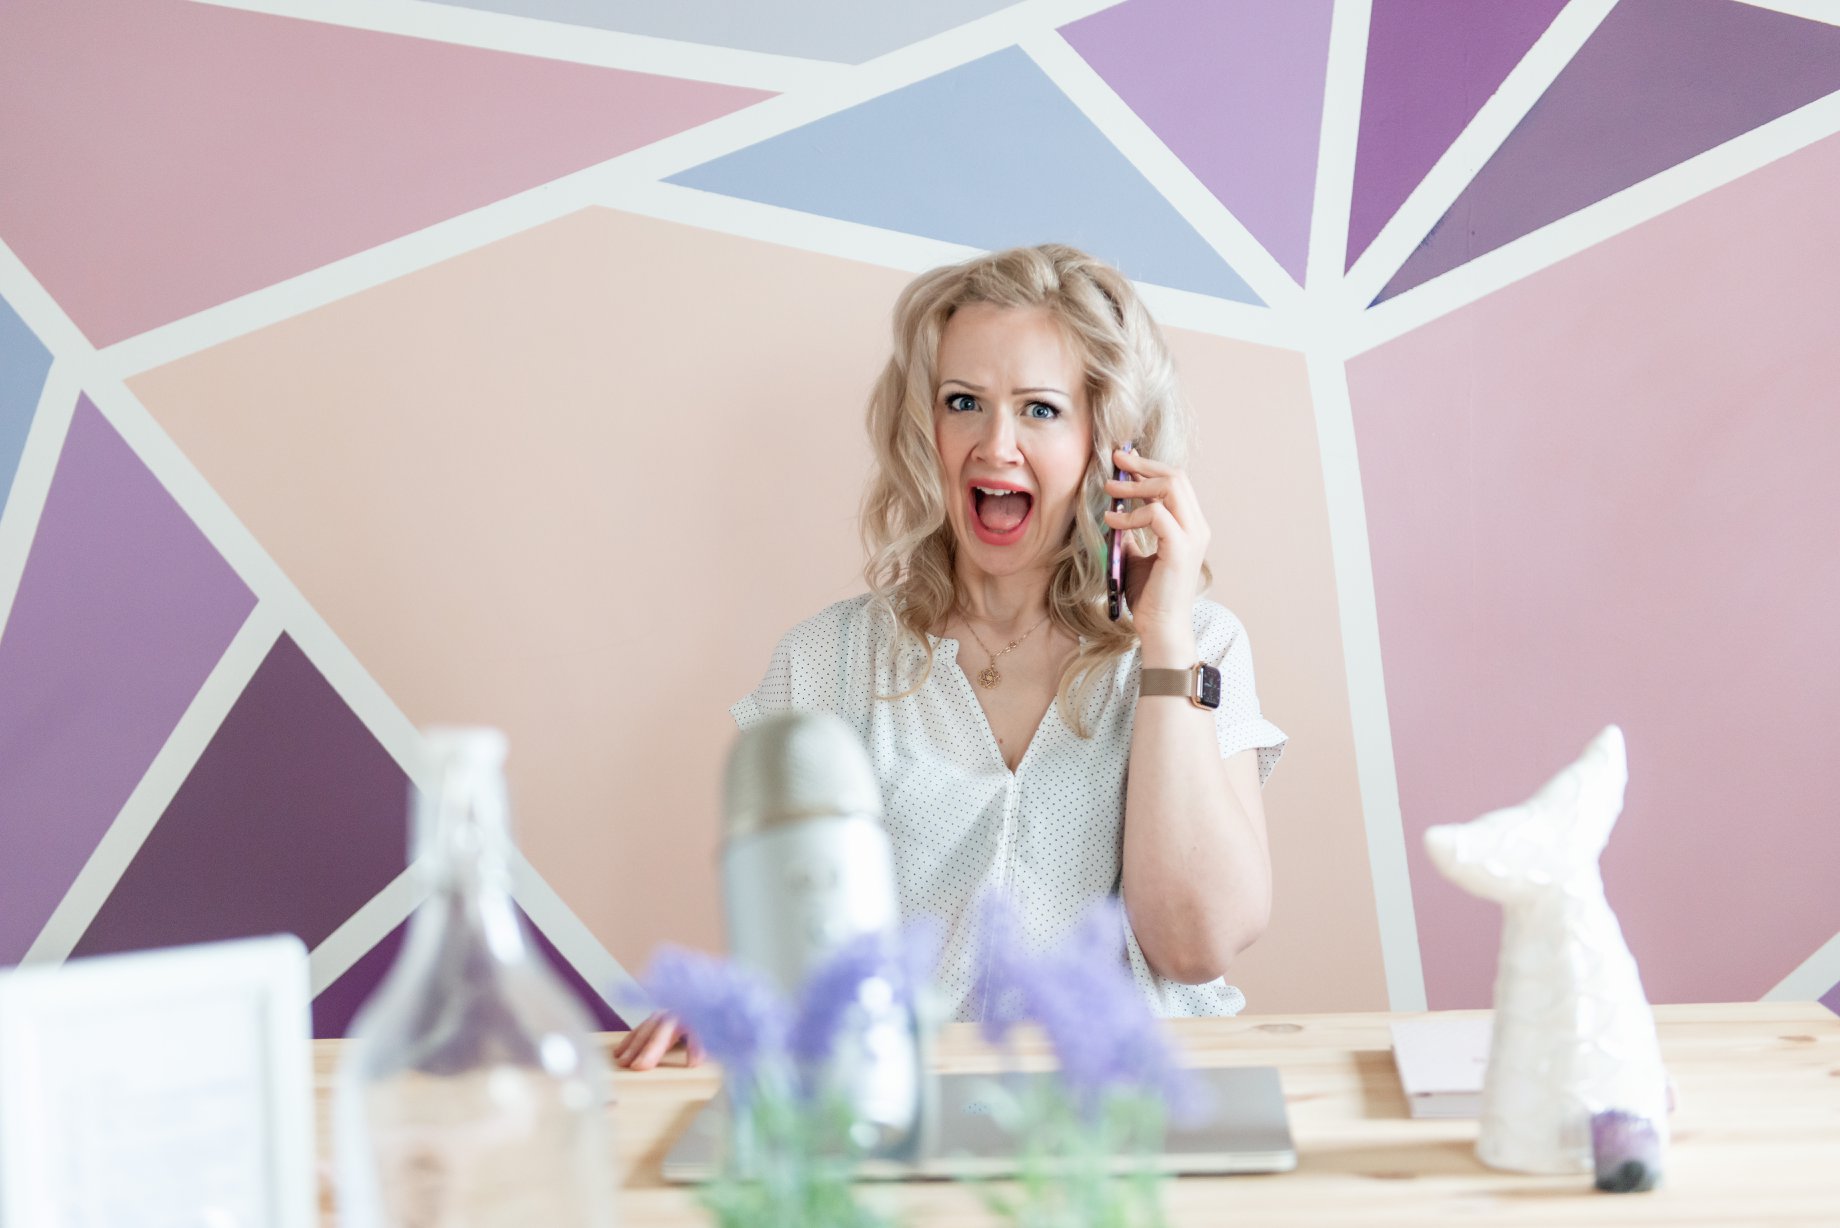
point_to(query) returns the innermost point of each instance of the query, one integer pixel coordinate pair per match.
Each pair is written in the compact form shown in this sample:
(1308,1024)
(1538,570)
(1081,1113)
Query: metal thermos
(806,866)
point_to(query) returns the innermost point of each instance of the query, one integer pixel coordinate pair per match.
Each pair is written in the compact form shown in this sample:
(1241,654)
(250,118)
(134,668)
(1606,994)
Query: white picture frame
(159,1087)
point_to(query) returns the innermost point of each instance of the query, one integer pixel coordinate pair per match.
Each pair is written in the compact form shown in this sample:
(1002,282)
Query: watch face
(1208,686)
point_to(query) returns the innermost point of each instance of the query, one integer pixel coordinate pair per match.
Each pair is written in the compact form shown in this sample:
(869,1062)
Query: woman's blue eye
(1043,410)
(962,402)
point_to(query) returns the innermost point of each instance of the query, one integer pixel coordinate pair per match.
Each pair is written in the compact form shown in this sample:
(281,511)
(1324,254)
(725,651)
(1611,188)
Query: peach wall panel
(578,482)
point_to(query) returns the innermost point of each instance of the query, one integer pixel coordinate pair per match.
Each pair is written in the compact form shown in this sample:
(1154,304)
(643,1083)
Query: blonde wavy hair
(1131,390)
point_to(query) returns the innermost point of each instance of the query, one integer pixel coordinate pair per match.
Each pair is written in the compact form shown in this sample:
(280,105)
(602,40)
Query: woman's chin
(1005,560)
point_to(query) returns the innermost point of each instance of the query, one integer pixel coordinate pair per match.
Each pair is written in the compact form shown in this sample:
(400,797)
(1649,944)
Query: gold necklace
(988,677)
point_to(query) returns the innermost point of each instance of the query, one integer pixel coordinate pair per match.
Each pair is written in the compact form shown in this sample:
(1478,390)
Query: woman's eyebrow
(1015,392)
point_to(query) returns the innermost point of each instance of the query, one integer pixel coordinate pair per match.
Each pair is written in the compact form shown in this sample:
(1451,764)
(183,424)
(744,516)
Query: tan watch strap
(1168,682)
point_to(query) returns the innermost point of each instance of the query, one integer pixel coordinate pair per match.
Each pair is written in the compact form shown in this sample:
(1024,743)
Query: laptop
(1246,1131)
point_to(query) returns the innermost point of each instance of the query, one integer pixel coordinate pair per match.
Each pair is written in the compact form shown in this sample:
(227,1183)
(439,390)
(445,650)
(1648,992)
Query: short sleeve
(821,665)
(1239,724)
(773,695)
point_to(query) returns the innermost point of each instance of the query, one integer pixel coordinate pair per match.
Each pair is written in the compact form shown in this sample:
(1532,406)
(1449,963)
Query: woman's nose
(998,440)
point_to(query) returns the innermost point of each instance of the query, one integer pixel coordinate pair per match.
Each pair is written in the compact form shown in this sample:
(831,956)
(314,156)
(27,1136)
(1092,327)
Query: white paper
(1442,1062)
(141,1093)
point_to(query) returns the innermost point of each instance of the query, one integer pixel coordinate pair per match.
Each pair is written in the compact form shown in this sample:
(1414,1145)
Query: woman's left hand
(1161,587)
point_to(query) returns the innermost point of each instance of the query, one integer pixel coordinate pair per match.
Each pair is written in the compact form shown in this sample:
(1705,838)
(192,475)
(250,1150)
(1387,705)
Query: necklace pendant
(989,677)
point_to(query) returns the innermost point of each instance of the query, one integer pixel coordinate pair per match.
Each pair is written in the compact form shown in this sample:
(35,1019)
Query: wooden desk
(1756,1134)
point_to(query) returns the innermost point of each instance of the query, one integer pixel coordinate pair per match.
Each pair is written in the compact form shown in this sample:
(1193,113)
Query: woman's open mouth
(999,513)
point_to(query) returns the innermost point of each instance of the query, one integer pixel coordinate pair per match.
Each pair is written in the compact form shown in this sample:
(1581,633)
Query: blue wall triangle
(24,360)
(990,155)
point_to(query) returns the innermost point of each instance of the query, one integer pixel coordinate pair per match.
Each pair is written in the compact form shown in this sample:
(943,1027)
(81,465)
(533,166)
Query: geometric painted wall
(497,361)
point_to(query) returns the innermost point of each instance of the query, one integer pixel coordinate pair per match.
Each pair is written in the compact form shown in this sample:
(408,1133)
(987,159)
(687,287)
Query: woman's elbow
(1200,962)
(1228,945)
(1193,970)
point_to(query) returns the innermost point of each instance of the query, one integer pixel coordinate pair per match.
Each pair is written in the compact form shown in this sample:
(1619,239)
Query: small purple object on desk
(1626,1150)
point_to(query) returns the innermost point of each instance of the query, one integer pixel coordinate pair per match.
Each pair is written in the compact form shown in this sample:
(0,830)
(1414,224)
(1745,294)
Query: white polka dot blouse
(1048,835)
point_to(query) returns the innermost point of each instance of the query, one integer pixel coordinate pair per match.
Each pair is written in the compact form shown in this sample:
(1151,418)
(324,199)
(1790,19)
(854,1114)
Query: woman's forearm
(1197,869)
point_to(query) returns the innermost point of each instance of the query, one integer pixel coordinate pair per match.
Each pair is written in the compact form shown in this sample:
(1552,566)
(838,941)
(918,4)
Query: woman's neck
(1002,604)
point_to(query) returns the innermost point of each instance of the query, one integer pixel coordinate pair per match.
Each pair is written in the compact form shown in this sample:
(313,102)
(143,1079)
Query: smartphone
(1114,555)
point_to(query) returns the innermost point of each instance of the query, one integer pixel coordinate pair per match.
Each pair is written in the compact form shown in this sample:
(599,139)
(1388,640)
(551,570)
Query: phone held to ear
(1114,554)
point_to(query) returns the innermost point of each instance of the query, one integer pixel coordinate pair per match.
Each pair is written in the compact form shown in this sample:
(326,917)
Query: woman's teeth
(1001,510)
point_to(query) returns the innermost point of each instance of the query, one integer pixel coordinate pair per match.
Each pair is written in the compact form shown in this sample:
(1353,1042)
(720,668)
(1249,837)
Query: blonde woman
(1026,742)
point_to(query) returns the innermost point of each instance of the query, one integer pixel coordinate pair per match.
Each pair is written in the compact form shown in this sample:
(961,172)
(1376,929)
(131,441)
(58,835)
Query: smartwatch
(1199,684)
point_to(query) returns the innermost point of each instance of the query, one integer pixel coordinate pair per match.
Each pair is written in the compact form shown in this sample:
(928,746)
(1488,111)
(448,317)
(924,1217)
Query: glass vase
(471,1094)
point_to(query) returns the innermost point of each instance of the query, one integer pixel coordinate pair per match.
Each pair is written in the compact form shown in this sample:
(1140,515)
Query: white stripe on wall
(1370,722)
(35,306)
(1344,80)
(44,441)
(1816,975)
(365,928)
(25,503)
(1373,734)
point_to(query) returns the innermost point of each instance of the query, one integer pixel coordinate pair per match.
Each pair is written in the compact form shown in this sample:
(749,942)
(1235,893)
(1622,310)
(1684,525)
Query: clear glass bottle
(471,1095)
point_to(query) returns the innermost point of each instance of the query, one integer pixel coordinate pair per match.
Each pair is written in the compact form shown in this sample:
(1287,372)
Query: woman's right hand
(645,1046)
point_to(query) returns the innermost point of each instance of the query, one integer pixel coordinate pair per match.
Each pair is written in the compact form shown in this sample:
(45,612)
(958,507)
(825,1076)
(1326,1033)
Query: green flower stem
(1065,1178)
(791,1165)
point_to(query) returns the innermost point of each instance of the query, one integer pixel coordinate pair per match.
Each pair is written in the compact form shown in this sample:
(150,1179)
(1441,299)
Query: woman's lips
(992,536)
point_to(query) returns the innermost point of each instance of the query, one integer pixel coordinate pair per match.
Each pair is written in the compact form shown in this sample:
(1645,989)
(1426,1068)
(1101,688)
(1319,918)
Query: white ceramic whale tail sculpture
(1573,1032)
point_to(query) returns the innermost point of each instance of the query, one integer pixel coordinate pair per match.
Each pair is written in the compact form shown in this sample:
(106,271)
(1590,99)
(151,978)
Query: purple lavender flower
(735,1012)
(902,962)
(1083,996)
(1626,1150)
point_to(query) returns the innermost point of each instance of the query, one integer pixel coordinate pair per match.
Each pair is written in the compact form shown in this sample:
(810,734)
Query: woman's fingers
(635,1040)
(1138,517)
(657,1045)
(1138,463)
(1164,484)
(1172,538)
(1169,531)
(1169,485)
(1153,491)
(1161,588)
(1143,488)
(646,1045)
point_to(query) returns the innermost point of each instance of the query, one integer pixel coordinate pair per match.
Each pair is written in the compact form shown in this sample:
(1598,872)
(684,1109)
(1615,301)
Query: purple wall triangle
(122,611)
(1431,64)
(1659,81)
(337,1004)
(1235,89)
(292,818)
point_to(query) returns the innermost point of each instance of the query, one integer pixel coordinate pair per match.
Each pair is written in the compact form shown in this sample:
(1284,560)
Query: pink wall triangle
(164,156)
